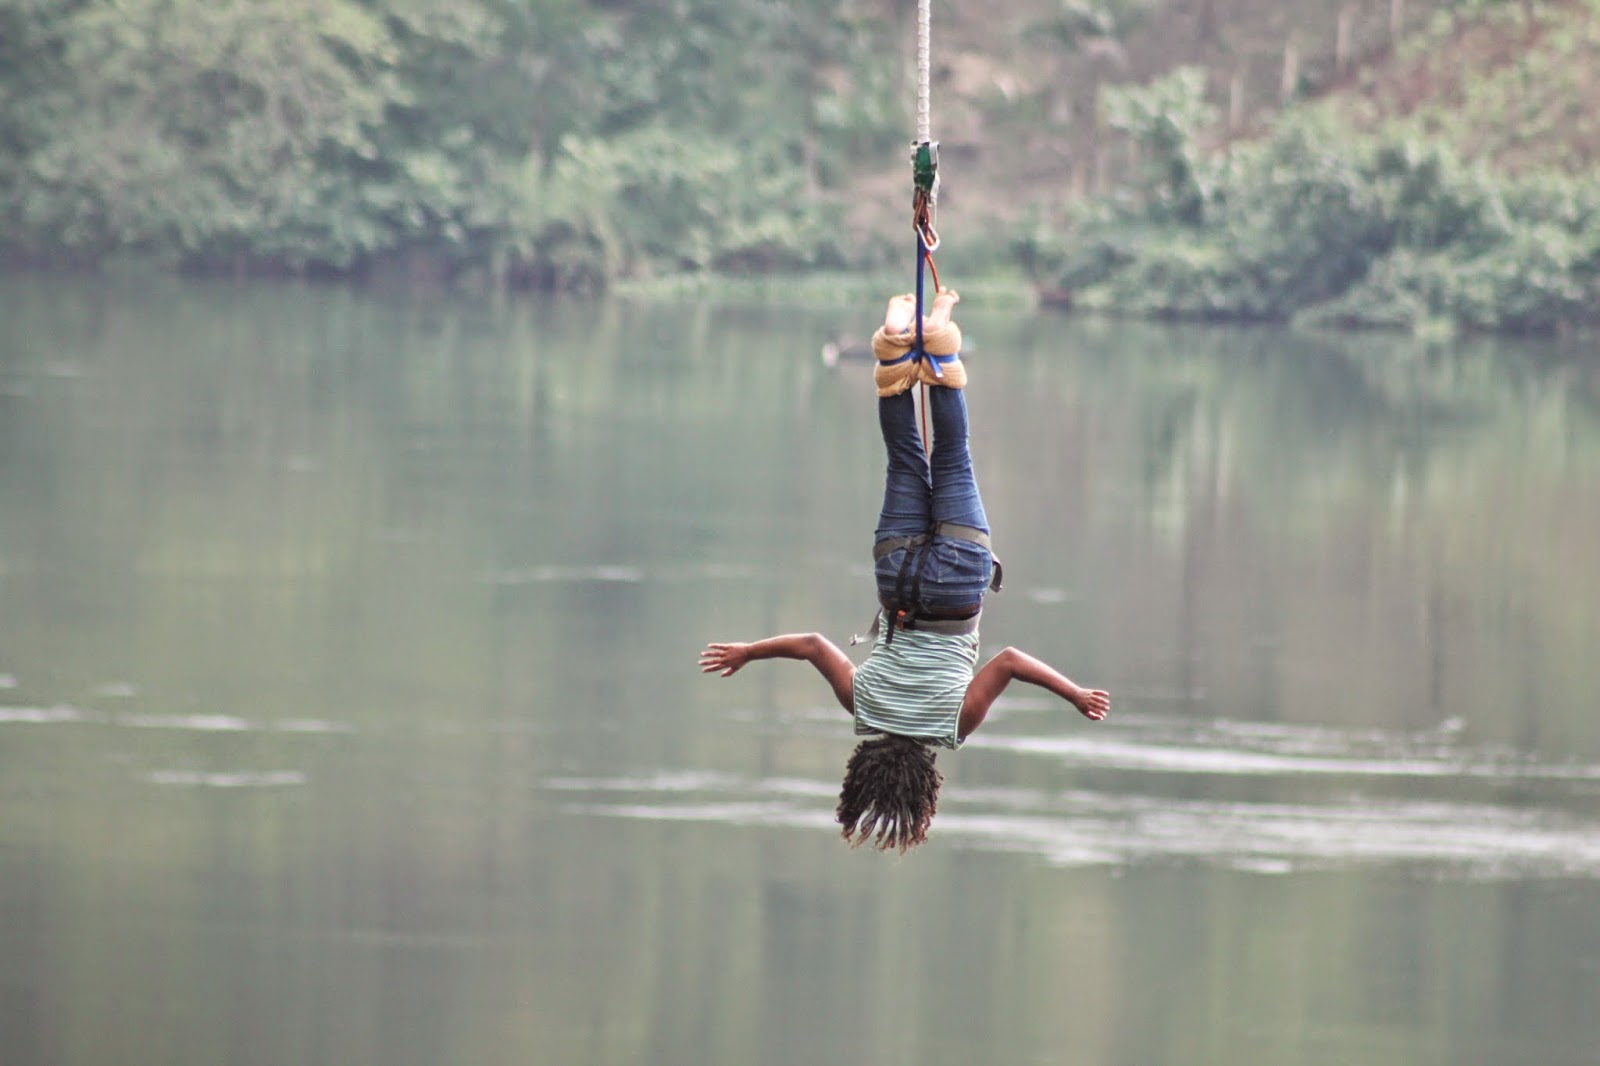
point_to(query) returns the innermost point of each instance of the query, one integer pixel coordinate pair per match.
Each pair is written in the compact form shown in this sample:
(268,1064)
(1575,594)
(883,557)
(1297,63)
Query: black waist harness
(905,607)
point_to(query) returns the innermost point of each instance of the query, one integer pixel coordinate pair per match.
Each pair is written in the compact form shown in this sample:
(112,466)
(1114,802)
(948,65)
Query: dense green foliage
(569,144)
(1320,224)
(555,142)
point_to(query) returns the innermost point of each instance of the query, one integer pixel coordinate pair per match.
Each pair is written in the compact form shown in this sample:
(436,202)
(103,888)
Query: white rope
(924,69)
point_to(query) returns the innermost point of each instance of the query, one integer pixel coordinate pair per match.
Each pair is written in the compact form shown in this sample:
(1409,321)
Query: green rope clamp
(925,168)
(925,191)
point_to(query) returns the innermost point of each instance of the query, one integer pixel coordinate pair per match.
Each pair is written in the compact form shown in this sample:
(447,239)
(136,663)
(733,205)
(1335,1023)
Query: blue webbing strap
(918,352)
(936,360)
(922,258)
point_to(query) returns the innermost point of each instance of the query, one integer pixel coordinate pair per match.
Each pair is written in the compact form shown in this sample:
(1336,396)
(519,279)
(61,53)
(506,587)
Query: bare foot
(902,309)
(944,305)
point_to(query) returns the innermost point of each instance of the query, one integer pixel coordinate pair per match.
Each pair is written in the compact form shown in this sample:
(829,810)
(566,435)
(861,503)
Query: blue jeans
(918,494)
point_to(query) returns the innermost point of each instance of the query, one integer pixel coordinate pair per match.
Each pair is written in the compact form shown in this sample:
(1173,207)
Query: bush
(658,198)
(1391,232)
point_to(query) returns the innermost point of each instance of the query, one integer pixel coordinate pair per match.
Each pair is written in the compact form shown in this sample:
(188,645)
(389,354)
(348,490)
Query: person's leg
(907,484)
(907,492)
(957,571)
(955,485)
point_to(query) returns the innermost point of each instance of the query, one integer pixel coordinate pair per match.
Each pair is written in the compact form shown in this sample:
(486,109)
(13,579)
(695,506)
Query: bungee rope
(924,159)
(925,187)
(929,354)
(924,150)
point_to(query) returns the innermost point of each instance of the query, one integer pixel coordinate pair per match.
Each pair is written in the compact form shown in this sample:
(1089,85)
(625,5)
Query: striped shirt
(914,686)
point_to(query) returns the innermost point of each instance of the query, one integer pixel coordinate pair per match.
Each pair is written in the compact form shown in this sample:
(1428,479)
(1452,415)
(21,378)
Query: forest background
(1375,163)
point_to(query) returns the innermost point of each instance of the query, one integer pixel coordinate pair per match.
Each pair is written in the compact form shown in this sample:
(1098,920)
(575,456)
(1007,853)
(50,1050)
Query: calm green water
(349,714)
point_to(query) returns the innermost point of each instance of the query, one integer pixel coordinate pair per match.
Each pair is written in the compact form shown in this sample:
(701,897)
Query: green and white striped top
(915,685)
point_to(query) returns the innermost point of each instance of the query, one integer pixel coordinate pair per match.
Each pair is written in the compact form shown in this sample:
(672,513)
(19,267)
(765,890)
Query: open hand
(1093,703)
(724,658)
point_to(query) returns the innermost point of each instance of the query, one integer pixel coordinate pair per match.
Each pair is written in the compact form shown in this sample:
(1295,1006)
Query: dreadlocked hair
(890,793)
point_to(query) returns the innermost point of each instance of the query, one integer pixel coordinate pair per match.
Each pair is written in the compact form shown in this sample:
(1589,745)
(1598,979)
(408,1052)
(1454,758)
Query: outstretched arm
(1014,665)
(832,663)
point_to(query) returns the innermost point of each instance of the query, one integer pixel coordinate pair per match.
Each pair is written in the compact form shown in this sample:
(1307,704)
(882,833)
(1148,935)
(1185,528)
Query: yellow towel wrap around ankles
(895,373)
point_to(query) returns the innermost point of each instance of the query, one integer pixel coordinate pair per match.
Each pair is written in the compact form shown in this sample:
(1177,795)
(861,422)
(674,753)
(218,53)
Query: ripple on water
(200,723)
(552,574)
(1474,839)
(65,714)
(57,715)
(226,779)
(622,573)
(1080,827)
(662,781)
(311,725)
(1251,748)
(1087,828)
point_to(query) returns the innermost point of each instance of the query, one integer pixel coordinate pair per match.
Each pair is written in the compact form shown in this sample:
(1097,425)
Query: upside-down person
(920,687)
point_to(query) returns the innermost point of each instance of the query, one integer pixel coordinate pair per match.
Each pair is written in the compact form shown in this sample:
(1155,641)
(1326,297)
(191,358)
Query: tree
(192,127)
(1165,119)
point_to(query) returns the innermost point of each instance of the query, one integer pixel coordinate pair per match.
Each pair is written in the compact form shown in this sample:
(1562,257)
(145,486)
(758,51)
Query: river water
(349,712)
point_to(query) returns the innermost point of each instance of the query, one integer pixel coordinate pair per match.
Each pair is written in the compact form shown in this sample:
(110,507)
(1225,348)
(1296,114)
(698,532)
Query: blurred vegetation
(1384,231)
(1103,151)
(1410,223)
(554,143)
